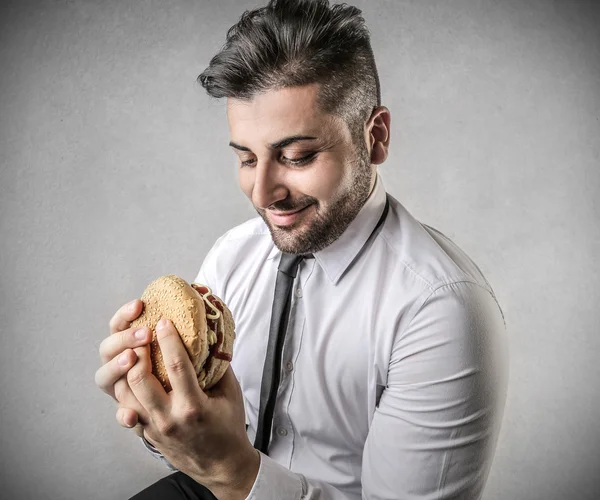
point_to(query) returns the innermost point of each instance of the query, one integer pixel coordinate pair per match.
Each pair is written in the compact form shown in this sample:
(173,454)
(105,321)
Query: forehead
(277,113)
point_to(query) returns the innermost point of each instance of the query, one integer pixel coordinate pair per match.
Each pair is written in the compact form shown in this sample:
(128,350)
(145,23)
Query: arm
(434,432)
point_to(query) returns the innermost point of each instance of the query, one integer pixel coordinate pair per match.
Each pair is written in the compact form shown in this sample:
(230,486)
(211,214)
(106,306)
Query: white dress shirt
(394,365)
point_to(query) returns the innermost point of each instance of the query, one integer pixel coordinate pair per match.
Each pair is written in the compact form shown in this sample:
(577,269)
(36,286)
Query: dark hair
(291,43)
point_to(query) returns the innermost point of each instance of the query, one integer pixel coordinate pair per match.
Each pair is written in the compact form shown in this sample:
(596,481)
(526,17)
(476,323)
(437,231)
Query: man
(392,369)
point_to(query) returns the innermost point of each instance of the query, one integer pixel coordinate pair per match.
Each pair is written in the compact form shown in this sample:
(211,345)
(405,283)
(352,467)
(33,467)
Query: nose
(268,185)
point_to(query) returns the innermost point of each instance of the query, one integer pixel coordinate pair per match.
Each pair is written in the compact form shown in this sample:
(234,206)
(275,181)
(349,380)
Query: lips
(286,218)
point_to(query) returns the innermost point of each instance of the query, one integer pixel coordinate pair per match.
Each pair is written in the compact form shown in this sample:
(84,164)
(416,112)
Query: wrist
(236,478)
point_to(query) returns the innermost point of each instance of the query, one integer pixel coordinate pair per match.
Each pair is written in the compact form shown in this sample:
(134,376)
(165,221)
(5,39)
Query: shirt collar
(336,258)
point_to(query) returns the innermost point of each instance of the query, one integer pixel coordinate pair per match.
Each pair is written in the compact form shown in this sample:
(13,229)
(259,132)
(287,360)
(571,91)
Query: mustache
(289,205)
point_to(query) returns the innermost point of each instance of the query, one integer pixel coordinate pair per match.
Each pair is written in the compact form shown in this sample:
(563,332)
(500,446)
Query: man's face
(299,167)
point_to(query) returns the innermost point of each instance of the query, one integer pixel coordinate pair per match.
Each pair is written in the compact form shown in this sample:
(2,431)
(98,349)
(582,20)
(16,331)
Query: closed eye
(250,162)
(299,161)
(247,163)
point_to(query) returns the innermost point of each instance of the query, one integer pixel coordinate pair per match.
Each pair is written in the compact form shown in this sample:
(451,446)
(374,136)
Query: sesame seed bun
(173,298)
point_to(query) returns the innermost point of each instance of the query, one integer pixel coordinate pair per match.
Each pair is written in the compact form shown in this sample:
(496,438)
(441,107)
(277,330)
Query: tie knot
(288,264)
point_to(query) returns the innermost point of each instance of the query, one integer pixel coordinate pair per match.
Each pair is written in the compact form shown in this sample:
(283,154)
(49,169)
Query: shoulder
(427,253)
(425,265)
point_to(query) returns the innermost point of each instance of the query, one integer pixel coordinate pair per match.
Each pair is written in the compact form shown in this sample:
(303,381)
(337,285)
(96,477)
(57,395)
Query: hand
(203,434)
(118,353)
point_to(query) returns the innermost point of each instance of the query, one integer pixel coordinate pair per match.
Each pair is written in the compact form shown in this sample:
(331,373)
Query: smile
(286,219)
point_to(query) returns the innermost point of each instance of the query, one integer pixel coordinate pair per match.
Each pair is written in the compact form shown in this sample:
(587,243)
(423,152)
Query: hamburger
(203,321)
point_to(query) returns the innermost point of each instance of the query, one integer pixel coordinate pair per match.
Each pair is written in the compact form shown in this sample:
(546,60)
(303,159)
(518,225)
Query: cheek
(325,180)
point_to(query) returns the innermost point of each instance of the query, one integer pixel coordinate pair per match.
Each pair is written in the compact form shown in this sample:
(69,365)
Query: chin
(286,241)
(294,240)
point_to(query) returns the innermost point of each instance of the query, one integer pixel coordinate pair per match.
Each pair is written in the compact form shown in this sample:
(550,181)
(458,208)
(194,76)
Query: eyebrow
(279,144)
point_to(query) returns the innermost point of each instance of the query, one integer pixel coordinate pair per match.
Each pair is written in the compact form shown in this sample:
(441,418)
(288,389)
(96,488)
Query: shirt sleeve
(434,431)
(275,482)
(158,455)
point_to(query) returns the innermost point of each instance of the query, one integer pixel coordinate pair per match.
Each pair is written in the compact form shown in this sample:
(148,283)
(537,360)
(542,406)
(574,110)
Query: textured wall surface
(114,169)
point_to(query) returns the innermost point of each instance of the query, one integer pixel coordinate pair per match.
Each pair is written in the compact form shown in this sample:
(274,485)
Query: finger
(145,386)
(179,367)
(109,373)
(116,343)
(126,399)
(127,417)
(125,315)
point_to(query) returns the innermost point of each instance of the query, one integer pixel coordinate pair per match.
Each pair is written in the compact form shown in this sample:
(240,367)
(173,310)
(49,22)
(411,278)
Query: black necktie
(286,272)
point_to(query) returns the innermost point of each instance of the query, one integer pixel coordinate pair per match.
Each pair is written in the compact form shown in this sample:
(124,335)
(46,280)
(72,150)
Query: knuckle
(98,379)
(164,333)
(125,338)
(101,380)
(135,377)
(177,364)
(103,349)
(166,428)
(190,413)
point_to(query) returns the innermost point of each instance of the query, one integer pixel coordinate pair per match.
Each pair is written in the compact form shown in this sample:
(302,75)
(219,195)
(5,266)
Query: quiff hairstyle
(292,43)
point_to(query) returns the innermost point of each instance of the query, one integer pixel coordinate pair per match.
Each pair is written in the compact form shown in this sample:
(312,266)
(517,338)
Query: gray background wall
(110,154)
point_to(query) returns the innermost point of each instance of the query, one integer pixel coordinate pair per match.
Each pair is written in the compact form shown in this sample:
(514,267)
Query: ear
(378,134)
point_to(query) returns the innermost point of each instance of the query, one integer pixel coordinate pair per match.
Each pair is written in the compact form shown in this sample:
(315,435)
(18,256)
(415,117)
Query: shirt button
(299,292)
(282,431)
(289,366)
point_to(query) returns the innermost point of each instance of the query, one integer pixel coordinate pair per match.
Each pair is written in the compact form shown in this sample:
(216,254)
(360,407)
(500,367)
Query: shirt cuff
(275,482)
(157,454)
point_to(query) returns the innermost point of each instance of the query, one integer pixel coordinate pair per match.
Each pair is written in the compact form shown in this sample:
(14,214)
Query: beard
(329,223)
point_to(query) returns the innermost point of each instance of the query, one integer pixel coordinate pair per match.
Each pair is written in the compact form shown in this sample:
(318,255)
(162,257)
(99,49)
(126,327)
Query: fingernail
(131,305)
(123,359)
(161,324)
(140,334)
